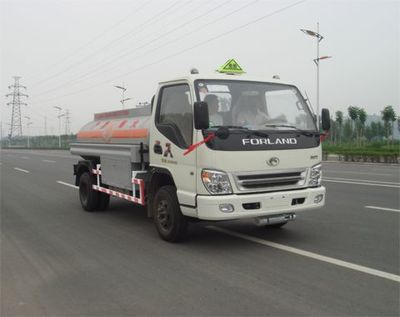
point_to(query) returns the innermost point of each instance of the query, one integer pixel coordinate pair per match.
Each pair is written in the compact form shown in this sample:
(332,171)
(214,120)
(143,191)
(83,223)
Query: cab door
(171,135)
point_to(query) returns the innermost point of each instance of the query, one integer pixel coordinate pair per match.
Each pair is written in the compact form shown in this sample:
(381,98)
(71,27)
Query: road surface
(57,260)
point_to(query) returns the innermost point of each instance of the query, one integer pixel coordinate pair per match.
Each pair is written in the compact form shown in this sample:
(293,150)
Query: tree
(388,116)
(362,116)
(339,124)
(347,131)
(368,132)
(353,114)
(374,131)
(380,131)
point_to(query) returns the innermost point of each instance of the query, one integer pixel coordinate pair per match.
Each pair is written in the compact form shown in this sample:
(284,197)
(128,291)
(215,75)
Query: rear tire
(168,219)
(104,201)
(88,196)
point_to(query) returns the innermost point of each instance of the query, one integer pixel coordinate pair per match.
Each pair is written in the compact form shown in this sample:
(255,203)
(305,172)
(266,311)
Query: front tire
(88,196)
(168,219)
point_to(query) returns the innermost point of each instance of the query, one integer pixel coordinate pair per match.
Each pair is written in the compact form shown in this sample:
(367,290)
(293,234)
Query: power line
(101,49)
(78,79)
(98,36)
(186,49)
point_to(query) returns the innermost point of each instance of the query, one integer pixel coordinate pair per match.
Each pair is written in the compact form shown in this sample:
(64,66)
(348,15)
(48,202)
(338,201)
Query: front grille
(271,181)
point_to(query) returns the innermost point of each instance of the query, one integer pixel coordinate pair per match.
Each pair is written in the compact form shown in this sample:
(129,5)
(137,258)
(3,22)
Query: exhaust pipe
(274,219)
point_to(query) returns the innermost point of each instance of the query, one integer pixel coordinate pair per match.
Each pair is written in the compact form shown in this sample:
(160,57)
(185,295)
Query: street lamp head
(120,87)
(312,33)
(126,99)
(316,60)
(324,57)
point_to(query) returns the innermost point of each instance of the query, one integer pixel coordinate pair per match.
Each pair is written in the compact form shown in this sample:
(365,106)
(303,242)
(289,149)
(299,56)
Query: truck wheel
(168,219)
(89,198)
(103,202)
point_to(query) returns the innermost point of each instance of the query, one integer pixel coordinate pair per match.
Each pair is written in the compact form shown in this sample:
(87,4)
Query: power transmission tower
(67,122)
(17,95)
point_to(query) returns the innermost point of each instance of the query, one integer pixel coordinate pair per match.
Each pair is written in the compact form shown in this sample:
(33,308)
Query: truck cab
(264,159)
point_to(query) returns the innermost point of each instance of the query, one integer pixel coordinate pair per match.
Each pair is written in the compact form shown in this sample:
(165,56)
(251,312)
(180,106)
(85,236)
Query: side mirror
(201,117)
(325,120)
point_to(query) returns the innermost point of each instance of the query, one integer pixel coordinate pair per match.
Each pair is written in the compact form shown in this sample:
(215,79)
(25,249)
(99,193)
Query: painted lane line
(48,161)
(358,183)
(382,208)
(24,157)
(378,166)
(357,173)
(67,184)
(21,170)
(362,180)
(315,256)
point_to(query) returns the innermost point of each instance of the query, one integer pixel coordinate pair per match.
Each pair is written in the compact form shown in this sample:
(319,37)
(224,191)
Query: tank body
(116,133)
(130,126)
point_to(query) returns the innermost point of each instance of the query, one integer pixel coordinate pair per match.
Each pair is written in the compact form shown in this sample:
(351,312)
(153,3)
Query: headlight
(315,175)
(216,182)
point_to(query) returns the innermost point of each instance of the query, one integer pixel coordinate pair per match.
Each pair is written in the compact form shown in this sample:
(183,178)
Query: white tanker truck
(216,147)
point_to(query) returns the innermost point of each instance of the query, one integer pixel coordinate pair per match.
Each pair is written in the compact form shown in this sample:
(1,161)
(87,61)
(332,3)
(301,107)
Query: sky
(71,53)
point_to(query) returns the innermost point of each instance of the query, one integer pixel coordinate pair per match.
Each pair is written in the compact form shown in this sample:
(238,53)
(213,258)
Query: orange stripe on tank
(130,134)
(90,135)
(118,134)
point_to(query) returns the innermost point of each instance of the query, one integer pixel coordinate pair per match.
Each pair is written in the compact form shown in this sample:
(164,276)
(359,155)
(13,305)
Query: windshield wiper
(238,127)
(280,126)
(304,132)
(258,133)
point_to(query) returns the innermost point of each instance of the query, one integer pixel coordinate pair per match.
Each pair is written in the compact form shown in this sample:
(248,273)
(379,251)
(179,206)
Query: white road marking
(359,183)
(348,172)
(48,161)
(382,208)
(377,166)
(67,184)
(21,170)
(362,180)
(24,157)
(315,256)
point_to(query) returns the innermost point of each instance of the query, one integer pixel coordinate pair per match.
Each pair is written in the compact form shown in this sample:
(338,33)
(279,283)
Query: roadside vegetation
(353,140)
(40,142)
(350,137)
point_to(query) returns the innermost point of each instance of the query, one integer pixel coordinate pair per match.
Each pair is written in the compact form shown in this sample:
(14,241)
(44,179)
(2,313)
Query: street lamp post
(59,124)
(319,38)
(27,129)
(27,125)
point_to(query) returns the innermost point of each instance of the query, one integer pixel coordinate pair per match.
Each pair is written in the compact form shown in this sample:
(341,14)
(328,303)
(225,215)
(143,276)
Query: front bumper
(208,207)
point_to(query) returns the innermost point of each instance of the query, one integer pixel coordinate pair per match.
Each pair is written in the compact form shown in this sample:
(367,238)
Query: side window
(175,115)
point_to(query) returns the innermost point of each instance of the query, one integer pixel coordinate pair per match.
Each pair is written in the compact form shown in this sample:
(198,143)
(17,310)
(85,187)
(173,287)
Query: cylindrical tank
(130,126)
(123,134)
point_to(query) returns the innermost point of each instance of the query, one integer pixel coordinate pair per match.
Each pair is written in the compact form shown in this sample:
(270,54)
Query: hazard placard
(231,67)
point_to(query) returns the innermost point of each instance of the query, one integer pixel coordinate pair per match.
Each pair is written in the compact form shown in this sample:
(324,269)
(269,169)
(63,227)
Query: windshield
(254,105)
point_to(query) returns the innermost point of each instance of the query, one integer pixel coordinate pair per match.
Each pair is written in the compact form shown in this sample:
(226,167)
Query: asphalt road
(57,260)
